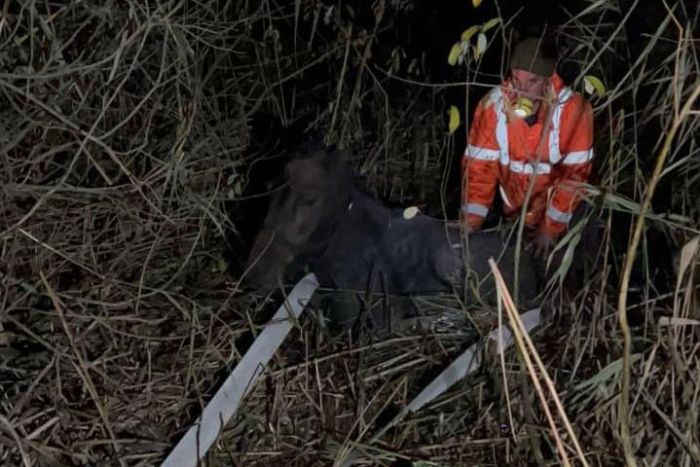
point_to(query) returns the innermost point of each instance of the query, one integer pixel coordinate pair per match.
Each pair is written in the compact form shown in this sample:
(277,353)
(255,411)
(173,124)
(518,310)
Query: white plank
(199,438)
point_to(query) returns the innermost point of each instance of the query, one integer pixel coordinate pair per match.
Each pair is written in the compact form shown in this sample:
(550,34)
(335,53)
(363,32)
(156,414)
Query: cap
(528,55)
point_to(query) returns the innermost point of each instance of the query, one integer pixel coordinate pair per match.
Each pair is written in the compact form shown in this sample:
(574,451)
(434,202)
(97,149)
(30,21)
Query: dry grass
(124,134)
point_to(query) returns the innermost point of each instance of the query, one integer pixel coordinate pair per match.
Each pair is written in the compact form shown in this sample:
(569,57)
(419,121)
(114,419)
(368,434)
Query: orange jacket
(557,151)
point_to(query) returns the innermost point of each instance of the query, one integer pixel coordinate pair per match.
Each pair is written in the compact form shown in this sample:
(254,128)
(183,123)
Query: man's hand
(542,243)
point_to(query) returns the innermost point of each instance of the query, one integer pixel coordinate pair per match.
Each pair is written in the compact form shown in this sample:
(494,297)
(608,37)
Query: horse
(321,221)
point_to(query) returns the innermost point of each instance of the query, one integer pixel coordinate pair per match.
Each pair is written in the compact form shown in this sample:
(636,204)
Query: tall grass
(126,137)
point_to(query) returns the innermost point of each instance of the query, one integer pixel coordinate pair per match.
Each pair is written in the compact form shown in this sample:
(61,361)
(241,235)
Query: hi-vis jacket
(506,152)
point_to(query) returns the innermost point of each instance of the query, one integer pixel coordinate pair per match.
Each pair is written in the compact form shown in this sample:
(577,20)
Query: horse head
(301,217)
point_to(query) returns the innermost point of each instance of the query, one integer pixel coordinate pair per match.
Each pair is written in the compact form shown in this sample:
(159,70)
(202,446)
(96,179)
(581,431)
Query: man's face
(529,84)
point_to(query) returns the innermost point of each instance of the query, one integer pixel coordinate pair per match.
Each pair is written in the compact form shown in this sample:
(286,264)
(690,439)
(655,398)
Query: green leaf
(454,54)
(480,45)
(469,32)
(476,3)
(593,84)
(490,24)
(454,119)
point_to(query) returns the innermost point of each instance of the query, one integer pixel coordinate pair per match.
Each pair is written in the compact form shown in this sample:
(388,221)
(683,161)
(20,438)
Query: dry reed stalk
(124,137)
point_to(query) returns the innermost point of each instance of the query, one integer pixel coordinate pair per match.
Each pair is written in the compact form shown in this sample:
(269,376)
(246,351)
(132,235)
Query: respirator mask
(523,107)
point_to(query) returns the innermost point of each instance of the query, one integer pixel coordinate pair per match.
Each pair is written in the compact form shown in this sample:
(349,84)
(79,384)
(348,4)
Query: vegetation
(127,142)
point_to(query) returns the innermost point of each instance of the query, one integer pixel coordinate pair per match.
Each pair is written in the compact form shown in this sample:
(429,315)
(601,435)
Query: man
(533,138)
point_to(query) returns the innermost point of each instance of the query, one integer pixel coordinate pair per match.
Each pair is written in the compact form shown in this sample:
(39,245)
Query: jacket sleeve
(480,165)
(574,166)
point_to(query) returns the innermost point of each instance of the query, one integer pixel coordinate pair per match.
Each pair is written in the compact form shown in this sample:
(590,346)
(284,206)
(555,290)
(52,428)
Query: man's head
(531,67)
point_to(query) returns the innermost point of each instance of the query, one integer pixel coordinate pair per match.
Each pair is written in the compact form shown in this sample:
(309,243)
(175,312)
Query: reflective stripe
(501,127)
(530,167)
(482,154)
(578,157)
(554,154)
(504,197)
(476,209)
(555,214)
(565,94)
(496,99)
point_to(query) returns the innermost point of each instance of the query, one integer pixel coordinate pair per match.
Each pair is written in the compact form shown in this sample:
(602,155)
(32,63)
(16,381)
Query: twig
(10,429)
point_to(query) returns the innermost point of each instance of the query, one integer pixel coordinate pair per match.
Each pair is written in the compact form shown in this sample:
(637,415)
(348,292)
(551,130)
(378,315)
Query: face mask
(523,107)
